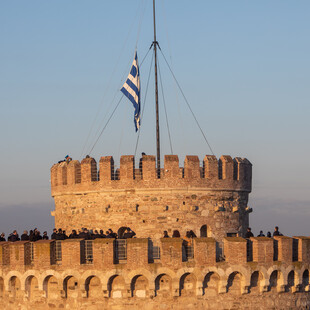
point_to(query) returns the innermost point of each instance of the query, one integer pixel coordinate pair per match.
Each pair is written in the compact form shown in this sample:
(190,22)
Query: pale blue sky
(243,65)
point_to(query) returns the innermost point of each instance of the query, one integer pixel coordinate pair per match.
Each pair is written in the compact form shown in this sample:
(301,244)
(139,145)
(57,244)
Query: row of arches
(141,285)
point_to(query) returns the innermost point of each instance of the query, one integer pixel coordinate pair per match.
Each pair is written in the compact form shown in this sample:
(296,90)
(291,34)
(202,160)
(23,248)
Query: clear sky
(244,67)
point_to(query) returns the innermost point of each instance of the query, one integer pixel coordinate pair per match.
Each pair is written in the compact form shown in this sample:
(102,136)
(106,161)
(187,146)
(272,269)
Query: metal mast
(155,43)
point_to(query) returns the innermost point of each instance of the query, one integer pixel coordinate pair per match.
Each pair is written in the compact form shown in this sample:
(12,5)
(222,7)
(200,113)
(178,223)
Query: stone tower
(210,199)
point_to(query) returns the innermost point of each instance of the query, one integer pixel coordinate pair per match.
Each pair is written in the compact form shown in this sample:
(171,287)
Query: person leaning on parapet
(60,235)
(14,237)
(2,237)
(24,236)
(53,236)
(68,158)
(85,234)
(276,232)
(129,233)
(261,234)
(73,234)
(102,235)
(37,236)
(166,234)
(96,235)
(249,233)
(269,234)
(45,236)
(111,234)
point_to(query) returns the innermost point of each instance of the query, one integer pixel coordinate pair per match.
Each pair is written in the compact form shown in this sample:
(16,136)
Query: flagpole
(156,95)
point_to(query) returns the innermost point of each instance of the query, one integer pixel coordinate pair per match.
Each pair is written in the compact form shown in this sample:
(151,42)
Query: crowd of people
(276,232)
(84,233)
(59,234)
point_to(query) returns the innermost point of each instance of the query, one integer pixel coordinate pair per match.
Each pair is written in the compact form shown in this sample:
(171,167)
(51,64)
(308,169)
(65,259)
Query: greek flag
(131,89)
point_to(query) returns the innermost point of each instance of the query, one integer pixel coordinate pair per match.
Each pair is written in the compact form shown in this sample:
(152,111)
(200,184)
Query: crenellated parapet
(224,174)
(173,253)
(105,272)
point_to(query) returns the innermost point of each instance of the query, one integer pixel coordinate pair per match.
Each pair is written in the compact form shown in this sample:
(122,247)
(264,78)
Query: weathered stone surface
(180,199)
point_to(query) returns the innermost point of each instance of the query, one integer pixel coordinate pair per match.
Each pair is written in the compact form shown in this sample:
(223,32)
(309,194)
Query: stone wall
(210,200)
(34,276)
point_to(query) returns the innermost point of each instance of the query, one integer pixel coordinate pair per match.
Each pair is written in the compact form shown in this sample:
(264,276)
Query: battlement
(172,253)
(102,273)
(223,174)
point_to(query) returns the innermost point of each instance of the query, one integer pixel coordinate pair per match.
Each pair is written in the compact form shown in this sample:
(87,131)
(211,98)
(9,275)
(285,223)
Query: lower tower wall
(207,213)
(100,279)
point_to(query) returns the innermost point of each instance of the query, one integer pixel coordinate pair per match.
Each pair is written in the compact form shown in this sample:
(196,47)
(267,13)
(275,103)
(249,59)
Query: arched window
(203,231)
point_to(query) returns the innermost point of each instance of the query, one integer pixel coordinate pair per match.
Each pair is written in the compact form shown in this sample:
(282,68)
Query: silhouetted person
(45,236)
(60,235)
(37,236)
(276,232)
(269,234)
(54,234)
(102,235)
(31,236)
(112,234)
(68,158)
(2,237)
(166,234)
(249,233)
(96,235)
(24,236)
(261,234)
(73,234)
(85,234)
(14,237)
(129,233)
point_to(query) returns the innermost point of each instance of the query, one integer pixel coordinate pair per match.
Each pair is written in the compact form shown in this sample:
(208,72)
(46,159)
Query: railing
(249,250)
(120,250)
(31,252)
(156,252)
(187,250)
(275,250)
(153,251)
(87,252)
(58,254)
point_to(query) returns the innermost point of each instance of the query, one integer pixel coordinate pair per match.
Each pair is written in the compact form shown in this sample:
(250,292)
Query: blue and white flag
(131,89)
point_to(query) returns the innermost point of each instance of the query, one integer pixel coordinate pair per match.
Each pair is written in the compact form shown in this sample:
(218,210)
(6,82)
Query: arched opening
(93,287)
(71,287)
(1,287)
(15,287)
(139,286)
(305,278)
(256,280)
(163,285)
(121,232)
(188,285)
(274,280)
(50,286)
(234,283)
(210,284)
(176,234)
(290,280)
(32,287)
(203,231)
(116,286)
